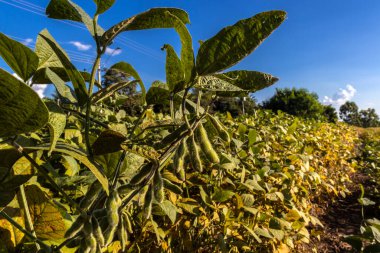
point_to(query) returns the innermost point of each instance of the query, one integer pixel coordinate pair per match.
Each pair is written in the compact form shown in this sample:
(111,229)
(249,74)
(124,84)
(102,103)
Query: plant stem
(83,116)
(40,169)
(88,105)
(132,132)
(172,106)
(184,109)
(117,171)
(199,101)
(28,218)
(27,233)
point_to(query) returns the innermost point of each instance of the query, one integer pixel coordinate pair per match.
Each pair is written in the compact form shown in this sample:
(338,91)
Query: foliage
(301,103)
(349,113)
(369,118)
(369,162)
(330,113)
(234,105)
(85,176)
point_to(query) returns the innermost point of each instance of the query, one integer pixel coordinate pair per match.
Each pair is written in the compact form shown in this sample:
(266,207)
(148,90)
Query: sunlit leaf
(61,86)
(66,9)
(103,5)
(169,209)
(47,220)
(56,124)
(235,42)
(153,18)
(221,195)
(19,57)
(49,44)
(129,70)
(175,76)
(251,81)
(80,156)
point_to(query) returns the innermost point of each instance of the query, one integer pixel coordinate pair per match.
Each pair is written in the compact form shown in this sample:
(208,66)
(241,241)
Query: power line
(22,8)
(121,40)
(73,57)
(30,5)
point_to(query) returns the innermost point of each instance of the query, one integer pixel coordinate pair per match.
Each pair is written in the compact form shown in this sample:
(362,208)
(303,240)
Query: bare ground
(340,218)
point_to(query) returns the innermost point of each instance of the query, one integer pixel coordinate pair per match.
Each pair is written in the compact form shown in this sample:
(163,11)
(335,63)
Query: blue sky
(329,47)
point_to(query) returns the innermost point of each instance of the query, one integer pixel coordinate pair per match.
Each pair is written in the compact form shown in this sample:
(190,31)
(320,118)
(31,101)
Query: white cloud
(40,89)
(113,52)
(28,42)
(341,97)
(80,46)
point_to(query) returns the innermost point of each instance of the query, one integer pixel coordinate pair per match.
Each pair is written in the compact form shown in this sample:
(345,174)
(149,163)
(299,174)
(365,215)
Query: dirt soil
(340,218)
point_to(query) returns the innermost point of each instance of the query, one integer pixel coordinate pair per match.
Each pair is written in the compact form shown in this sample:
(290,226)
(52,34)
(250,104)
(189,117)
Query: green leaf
(275,223)
(221,195)
(80,156)
(235,42)
(109,141)
(22,171)
(157,95)
(248,199)
(263,232)
(110,90)
(252,184)
(40,77)
(8,156)
(66,9)
(252,137)
(20,58)
(61,86)
(56,124)
(153,18)
(128,69)
(189,205)
(277,233)
(47,220)
(48,58)
(175,76)
(109,162)
(21,110)
(187,52)
(251,81)
(293,215)
(71,165)
(213,83)
(76,78)
(169,209)
(253,234)
(103,5)
(6,197)
(205,197)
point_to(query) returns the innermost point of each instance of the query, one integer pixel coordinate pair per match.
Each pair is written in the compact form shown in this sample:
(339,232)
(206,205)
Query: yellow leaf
(283,248)
(47,220)
(9,235)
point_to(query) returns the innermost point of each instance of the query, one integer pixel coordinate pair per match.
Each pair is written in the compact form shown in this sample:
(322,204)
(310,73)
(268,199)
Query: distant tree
(330,113)
(349,113)
(369,118)
(132,105)
(298,102)
(233,105)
